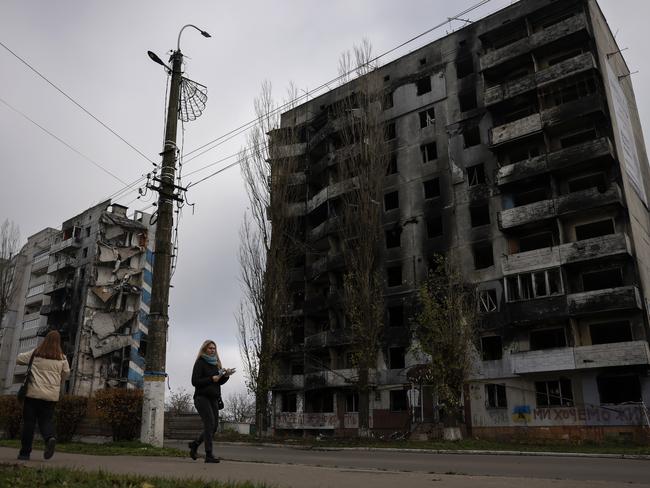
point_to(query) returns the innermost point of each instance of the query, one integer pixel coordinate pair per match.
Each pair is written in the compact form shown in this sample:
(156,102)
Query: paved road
(539,467)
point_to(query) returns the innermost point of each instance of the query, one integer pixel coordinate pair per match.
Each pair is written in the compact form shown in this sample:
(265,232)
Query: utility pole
(153,407)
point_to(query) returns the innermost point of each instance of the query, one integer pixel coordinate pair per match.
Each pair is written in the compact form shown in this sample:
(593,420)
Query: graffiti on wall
(588,415)
(300,420)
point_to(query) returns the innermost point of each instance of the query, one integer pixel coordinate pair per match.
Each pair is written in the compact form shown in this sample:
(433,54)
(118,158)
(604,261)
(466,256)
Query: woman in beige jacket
(49,369)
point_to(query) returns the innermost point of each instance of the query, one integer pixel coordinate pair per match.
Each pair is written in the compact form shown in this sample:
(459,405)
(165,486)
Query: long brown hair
(50,348)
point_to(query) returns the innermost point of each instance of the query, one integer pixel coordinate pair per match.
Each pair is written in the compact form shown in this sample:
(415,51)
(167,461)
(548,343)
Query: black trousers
(209,412)
(40,411)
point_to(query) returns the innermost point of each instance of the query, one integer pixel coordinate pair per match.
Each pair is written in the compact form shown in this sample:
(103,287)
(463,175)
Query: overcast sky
(96,52)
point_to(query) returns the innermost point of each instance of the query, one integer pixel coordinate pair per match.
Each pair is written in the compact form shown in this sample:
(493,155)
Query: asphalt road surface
(516,466)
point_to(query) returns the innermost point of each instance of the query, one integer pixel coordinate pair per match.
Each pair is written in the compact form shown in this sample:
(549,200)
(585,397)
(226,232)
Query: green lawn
(608,447)
(23,477)
(132,448)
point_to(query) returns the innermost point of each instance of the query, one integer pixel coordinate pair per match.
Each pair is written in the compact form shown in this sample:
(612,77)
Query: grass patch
(22,477)
(125,448)
(607,447)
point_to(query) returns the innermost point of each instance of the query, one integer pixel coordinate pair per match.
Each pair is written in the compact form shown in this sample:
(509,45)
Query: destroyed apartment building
(96,294)
(516,148)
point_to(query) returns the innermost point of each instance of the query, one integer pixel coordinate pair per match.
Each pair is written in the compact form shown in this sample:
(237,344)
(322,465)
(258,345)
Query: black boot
(209,458)
(49,448)
(193,448)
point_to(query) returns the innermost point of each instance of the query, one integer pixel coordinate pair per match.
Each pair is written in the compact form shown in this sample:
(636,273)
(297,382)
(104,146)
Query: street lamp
(186,102)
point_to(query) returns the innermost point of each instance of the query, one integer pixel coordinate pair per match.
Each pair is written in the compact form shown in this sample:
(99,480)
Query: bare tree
(9,239)
(445,327)
(268,238)
(180,402)
(239,407)
(364,158)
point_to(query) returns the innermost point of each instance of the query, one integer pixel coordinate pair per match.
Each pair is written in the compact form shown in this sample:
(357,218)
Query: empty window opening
(554,18)
(483,257)
(391,131)
(318,216)
(394,275)
(476,175)
(538,284)
(434,227)
(524,153)
(432,188)
(464,67)
(554,393)
(589,181)
(423,85)
(570,92)
(422,61)
(578,138)
(530,196)
(298,300)
(536,241)
(427,117)
(319,401)
(297,368)
(388,101)
(558,58)
(467,100)
(396,316)
(509,35)
(398,401)
(495,396)
(386,78)
(472,137)
(599,280)
(397,357)
(547,339)
(594,229)
(84,252)
(487,301)
(610,332)
(429,152)
(391,200)
(289,402)
(351,402)
(480,214)
(491,348)
(391,168)
(519,113)
(88,231)
(298,335)
(393,238)
(619,389)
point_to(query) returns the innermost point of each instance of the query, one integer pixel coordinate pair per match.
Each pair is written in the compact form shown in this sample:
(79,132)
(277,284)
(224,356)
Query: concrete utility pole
(153,407)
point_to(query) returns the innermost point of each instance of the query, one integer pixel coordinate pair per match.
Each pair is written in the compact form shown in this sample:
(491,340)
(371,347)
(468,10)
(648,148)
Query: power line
(242,128)
(63,142)
(75,102)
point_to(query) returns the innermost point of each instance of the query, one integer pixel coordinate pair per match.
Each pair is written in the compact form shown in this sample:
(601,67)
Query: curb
(447,451)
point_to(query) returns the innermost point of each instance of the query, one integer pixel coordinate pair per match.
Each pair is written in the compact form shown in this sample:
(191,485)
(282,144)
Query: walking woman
(48,370)
(207,378)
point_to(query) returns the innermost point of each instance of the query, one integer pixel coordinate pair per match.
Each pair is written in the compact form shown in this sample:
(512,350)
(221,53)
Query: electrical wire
(92,161)
(244,127)
(75,102)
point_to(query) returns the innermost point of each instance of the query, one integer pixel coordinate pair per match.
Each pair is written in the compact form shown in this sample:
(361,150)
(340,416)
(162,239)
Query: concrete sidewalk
(287,475)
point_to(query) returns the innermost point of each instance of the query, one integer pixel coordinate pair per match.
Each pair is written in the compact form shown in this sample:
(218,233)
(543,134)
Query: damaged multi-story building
(516,146)
(96,286)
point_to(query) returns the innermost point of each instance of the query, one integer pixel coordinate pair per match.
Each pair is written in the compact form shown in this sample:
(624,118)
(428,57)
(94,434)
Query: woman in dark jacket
(207,378)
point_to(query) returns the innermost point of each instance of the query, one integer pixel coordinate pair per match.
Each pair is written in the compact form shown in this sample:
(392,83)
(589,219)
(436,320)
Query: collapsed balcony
(581,357)
(573,252)
(510,89)
(574,26)
(562,205)
(555,161)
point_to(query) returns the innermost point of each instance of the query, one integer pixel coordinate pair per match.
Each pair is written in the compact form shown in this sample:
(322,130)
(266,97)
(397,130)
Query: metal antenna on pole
(186,102)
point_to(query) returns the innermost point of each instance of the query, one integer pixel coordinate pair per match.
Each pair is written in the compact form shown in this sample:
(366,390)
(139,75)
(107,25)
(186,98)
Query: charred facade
(515,144)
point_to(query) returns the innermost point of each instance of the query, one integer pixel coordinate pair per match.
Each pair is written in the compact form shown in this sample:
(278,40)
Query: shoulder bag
(22,391)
